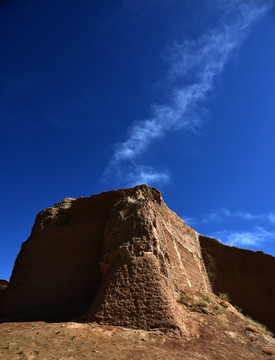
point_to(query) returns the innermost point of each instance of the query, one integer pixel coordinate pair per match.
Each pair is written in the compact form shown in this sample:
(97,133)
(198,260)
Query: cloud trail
(225,215)
(254,237)
(146,175)
(193,68)
(244,238)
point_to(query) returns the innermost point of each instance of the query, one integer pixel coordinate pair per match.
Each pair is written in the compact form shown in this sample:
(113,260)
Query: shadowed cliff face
(247,276)
(123,258)
(3,286)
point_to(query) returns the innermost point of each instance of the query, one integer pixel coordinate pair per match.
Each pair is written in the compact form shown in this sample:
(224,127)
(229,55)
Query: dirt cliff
(248,277)
(124,258)
(120,258)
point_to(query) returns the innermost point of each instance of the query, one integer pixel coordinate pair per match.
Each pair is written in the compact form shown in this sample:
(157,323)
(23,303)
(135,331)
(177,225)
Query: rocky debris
(269,351)
(225,303)
(248,277)
(251,328)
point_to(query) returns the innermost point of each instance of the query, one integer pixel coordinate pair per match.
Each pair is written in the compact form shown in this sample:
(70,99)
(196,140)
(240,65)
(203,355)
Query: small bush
(185,300)
(193,304)
(199,306)
(224,296)
(206,298)
(218,310)
(201,303)
(238,308)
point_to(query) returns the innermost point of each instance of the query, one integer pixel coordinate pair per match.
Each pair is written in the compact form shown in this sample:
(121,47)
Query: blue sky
(103,95)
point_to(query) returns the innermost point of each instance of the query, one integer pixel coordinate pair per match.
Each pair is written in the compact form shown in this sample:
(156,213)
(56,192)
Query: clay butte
(124,258)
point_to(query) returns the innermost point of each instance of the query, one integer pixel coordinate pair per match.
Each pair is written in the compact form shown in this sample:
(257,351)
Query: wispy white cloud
(244,238)
(194,66)
(271,218)
(145,175)
(139,174)
(224,215)
(189,220)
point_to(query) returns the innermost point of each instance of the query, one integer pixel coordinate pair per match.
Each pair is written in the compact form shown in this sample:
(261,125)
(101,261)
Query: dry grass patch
(253,324)
(194,303)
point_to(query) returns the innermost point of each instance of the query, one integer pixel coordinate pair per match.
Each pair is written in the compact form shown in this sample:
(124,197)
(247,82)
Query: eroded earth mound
(119,258)
(123,258)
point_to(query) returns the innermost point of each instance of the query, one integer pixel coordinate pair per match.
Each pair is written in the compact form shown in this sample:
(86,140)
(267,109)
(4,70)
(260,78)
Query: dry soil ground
(221,337)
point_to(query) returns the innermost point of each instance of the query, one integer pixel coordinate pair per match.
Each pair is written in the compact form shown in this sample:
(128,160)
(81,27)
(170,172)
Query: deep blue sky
(97,95)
